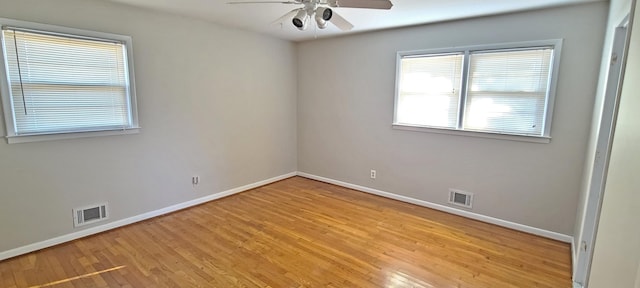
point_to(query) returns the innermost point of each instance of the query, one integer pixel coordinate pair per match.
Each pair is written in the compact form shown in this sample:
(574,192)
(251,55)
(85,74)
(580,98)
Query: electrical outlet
(195,180)
(373,174)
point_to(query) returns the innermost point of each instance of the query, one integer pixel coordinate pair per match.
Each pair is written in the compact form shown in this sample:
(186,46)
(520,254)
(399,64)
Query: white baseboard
(119,223)
(574,259)
(463,213)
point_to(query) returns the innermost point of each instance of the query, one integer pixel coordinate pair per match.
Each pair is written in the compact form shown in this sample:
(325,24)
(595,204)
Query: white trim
(123,222)
(98,229)
(545,137)
(467,214)
(71,135)
(574,257)
(522,45)
(604,143)
(468,133)
(5,98)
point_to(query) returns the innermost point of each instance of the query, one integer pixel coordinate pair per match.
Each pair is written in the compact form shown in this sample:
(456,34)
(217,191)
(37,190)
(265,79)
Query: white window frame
(467,50)
(5,94)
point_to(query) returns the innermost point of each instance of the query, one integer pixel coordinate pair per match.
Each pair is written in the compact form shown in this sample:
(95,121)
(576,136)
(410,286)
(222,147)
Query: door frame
(617,62)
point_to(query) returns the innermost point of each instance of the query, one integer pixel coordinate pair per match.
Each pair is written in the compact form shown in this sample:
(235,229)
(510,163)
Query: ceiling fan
(322,12)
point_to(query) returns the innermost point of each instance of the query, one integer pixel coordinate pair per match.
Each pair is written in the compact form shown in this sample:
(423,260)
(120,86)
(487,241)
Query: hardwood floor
(299,233)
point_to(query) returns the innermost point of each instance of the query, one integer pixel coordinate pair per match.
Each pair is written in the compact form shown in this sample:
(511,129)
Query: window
(60,81)
(488,91)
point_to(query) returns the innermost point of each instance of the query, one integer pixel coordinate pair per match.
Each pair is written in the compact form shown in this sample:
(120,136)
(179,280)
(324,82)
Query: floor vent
(90,214)
(461,198)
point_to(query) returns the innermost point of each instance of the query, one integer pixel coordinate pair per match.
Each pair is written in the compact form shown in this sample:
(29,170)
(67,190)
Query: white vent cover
(461,198)
(90,214)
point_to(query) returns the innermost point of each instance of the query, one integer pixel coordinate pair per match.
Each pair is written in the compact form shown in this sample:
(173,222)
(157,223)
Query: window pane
(63,84)
(508,91)
(429,90)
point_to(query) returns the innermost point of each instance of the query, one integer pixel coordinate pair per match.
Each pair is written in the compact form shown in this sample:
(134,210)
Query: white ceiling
(259,17)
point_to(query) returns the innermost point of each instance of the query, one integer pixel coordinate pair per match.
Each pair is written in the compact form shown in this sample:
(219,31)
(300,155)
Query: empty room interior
(354,143)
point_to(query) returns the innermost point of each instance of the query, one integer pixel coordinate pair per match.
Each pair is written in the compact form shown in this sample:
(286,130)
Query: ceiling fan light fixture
(324,13)
(301,19)
(319,9)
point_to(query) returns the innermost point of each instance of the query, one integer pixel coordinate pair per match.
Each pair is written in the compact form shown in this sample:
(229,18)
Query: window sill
(511,137)
(71,135)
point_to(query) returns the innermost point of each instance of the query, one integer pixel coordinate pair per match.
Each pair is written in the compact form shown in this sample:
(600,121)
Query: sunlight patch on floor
(401,280)
(78,277)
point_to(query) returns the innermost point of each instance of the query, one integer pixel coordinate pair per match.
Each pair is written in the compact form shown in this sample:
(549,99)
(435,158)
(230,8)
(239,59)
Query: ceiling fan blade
(265,2)
(340,22)
(370,4)
(286,17)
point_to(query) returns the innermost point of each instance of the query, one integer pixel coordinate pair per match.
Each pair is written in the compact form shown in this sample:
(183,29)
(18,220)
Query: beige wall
(345,111)
(617,248)
(214,102)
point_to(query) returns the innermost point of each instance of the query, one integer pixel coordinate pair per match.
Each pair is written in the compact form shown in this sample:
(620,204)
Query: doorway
(603,151)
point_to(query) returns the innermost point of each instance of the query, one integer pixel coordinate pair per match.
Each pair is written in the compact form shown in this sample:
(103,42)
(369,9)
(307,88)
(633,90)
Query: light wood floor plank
(299,233)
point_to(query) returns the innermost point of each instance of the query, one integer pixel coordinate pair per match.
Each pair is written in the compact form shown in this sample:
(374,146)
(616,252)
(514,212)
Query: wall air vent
(461,198)
(90,214)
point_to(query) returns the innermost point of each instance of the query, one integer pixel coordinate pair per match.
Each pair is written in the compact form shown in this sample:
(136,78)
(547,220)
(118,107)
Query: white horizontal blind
(507,91)
(429,90)
(64,84)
